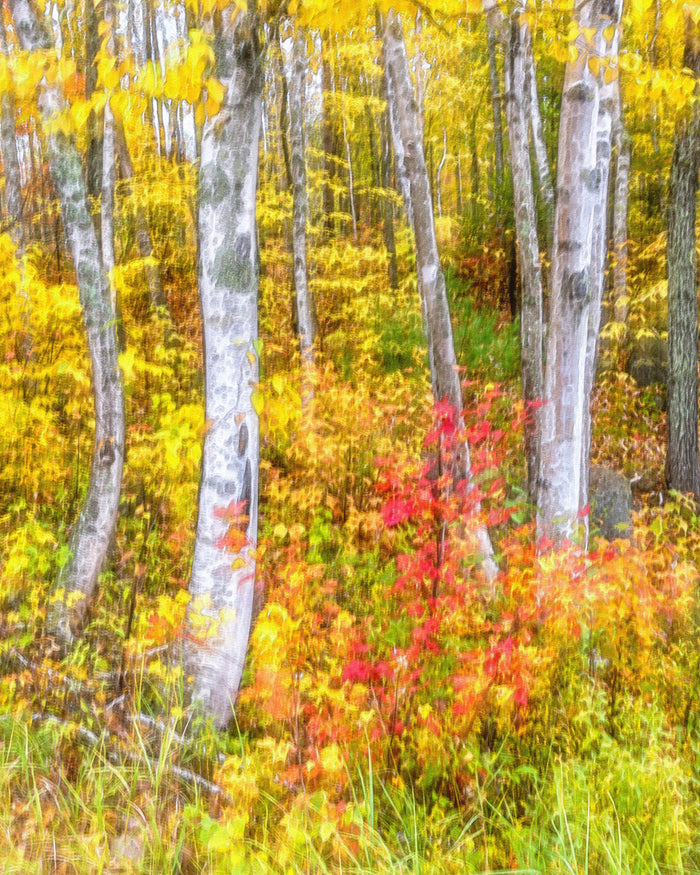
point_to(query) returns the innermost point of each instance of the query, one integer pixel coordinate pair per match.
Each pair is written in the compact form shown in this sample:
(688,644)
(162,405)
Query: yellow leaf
(280,531)
(332,759)
(126,363)
(66,67)
(610,74)
(215,95)
(80,111)
(257,400)
(278,383)
(107,74)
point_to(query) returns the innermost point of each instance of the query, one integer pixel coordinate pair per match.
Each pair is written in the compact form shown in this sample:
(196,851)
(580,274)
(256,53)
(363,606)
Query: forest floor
(398,714)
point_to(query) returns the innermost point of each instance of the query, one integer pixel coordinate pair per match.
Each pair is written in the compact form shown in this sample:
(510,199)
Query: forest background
(382,243)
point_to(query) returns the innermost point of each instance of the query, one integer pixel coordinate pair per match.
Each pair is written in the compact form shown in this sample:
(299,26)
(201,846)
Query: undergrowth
(398,714)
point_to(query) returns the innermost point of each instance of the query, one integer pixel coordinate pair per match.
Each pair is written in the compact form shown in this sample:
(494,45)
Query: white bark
(10,159)
(397,141)
(94,530)
(108,177)
(351,177)
(304,300)
(431,281)
(622,185)
(519,70)
(576,268)
(544,176)
(222,580)
(599,252)
(443,159)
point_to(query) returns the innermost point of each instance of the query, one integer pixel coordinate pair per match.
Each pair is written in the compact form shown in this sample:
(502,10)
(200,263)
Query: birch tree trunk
(108,177)
(518,70)
(576,271)
(328,137)
(438,183)
(544,175)
(431,281)
(491,8)
(351,175)
(599,253)
(222,581)
(621,201)
(387,202)
(10,158)
(397,141)
(304,299)
(93,129)
(94,531)
(682,465)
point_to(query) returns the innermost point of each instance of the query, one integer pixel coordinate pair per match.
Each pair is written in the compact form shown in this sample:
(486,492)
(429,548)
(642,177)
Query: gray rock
(610,497)
(648,360)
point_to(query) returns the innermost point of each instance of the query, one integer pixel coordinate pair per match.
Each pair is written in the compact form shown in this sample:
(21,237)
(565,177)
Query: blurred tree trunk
(682,465)
(431,280)
(144,241)
(222,582)
(544,175)
(599,258)
(94,531)
(330,164)
(491,8)
(304,301)
(622,187)
(518,70)
(10,159)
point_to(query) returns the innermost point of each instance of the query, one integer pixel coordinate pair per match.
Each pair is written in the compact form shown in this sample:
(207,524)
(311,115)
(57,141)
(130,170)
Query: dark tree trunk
(682,465)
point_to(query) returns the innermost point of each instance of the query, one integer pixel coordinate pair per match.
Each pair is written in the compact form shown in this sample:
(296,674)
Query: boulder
(610,497)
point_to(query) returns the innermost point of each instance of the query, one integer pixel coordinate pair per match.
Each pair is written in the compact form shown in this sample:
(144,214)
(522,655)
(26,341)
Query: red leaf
(396,512)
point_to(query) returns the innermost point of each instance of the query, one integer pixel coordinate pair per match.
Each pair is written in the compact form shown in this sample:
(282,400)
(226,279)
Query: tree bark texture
(94,531)
(518,70)
(620,208)
(222,581)
(304,300)
(599,258)
(682,465)
(397,140)
(10,159)
(387,201)
(93,150)
(329,150)
(431,281)
(144,241)
(108,177)
(492,11)
(544,175)
(576,271)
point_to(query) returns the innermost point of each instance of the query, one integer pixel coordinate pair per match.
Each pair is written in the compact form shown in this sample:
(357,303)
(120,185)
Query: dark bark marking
(581,92)
(243,439)
(576,287)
